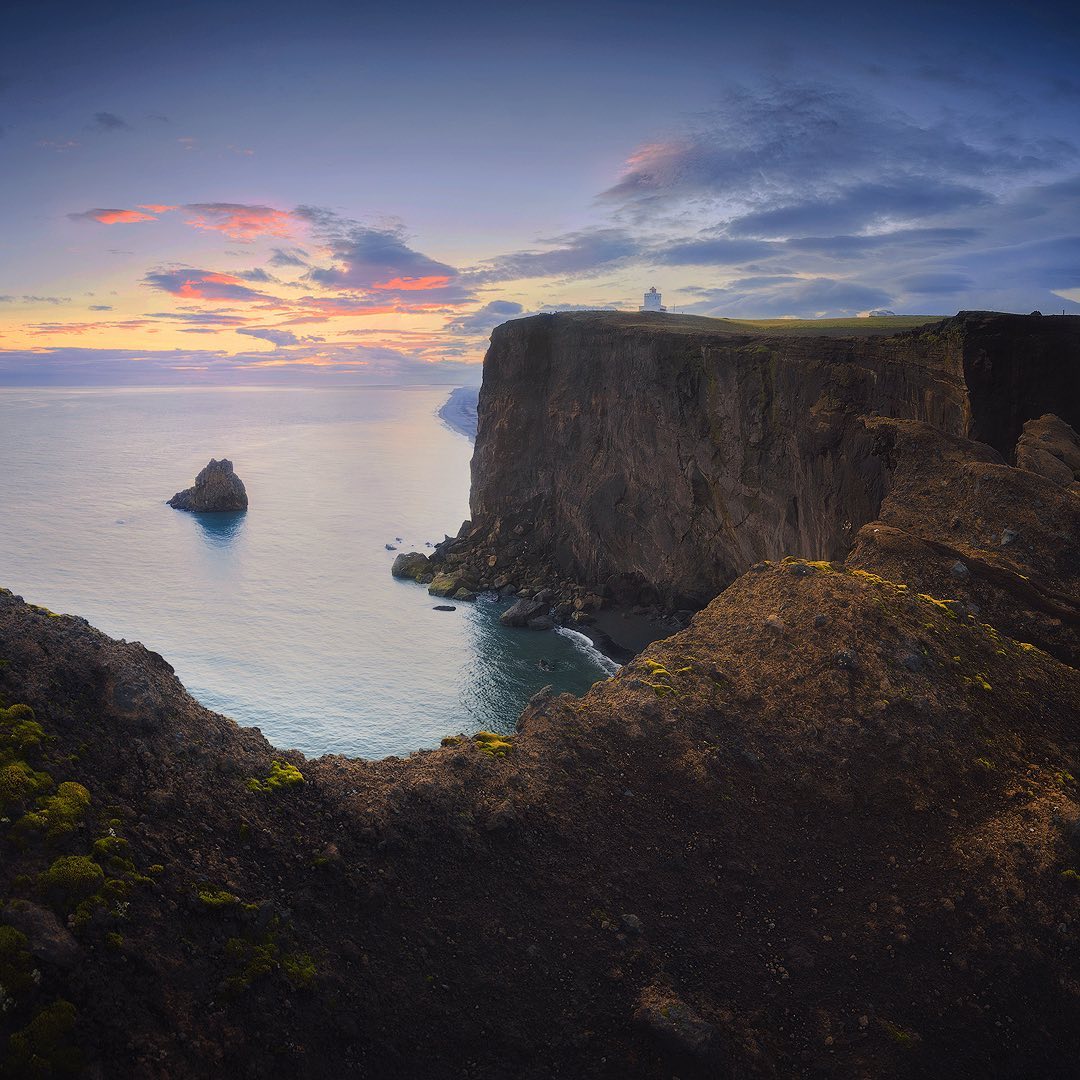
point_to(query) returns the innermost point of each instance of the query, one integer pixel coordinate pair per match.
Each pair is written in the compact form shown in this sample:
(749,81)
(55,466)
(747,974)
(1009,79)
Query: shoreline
(458,412)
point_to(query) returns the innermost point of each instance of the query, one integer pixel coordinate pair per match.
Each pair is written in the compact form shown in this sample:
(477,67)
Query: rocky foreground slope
(832,829)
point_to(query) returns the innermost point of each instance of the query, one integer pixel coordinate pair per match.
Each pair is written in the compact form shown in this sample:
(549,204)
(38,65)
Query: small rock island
(217,489)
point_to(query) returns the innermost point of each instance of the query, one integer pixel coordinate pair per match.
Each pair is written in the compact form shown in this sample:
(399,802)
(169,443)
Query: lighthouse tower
(652,301)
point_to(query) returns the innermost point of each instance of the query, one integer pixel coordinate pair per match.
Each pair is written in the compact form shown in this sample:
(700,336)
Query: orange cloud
(112,217)
(416,284)
(156,208)
(239,221)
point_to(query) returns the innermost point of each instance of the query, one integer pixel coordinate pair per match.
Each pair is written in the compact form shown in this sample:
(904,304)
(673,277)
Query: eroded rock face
(1050,448)
(217,489)
(665,457)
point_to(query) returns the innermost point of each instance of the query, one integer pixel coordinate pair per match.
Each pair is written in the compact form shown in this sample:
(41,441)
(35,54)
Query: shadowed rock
(217,489)
(1049,447)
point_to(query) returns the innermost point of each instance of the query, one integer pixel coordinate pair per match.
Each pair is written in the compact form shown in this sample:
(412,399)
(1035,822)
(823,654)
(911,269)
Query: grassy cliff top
(697,324)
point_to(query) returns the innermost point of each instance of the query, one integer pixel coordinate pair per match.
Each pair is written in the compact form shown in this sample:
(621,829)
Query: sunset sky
(336,193)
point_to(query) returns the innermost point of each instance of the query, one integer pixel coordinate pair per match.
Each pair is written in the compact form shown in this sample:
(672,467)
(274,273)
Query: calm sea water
(285,617)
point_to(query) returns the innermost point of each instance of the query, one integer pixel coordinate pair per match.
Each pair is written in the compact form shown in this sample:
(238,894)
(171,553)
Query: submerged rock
(217,489)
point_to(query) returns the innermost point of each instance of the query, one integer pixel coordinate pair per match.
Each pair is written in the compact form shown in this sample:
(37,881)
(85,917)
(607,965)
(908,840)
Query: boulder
(448,585)
(522,612)
(412,565)
(217,489)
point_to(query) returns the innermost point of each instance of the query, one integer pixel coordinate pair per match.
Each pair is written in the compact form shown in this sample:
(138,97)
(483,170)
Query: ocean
(286,617)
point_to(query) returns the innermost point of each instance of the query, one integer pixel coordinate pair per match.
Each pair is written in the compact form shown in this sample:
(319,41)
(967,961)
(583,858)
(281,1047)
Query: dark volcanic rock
(670,455)
(522,612)
(217,489)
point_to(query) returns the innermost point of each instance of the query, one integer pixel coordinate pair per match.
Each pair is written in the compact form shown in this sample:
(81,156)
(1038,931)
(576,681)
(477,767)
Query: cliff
(658,457)
(830,830)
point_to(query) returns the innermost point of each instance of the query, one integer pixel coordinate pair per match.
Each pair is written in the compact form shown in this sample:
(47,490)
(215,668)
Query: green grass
(699,324)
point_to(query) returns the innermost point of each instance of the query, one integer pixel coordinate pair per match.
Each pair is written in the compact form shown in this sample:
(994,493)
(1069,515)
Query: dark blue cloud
(25,299)
(486,318)
(719,251)
(201,285)
(289,257)
(277,337)
(940,283)
(379,261)
(847,246)
(574,254)
(804,298)
(861,206)
(107,121)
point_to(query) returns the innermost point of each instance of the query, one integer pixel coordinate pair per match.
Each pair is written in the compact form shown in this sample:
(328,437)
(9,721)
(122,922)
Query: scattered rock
(412,565)
(912,661)
(521,612)
(49,940)
(450,585)
(673,1022)
(444,607)
(217,489)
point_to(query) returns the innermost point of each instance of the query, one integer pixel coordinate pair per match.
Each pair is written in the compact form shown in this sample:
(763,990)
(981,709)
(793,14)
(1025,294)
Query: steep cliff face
(663,456)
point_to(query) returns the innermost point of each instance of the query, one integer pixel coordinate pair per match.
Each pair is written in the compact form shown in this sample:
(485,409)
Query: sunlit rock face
(217,489)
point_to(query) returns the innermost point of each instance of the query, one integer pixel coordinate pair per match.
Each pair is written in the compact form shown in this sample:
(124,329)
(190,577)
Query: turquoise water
(285,617)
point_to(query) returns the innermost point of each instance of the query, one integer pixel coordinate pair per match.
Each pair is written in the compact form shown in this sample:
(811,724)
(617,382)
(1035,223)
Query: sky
(338,193)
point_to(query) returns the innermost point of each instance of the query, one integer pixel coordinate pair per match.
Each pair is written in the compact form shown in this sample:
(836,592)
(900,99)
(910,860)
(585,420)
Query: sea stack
(217,489)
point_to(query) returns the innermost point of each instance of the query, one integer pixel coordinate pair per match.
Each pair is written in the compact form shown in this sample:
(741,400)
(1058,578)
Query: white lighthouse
(652,301)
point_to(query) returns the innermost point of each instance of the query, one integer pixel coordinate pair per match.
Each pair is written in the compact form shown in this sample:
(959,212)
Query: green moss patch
(217,899)
(59,814)
(496,746)
(43,1048)
(282,775)
(71,879)
(254,959)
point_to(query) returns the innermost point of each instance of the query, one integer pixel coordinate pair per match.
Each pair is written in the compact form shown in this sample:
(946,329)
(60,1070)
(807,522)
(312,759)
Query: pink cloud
(239,221)
(112,217)
(413,284)
(156,208)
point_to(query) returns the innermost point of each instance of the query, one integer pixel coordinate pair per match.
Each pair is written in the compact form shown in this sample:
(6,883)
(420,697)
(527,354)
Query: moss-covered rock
(411,565)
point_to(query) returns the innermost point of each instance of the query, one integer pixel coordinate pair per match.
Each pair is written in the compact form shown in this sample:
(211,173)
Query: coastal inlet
(284,617)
